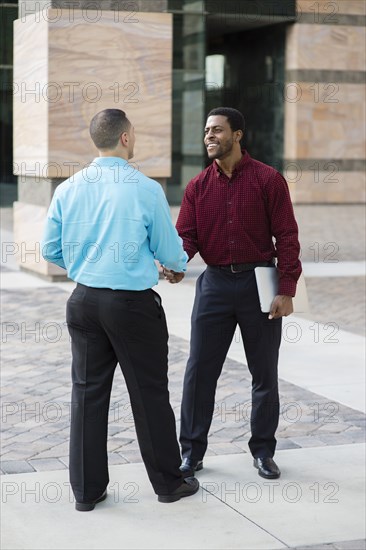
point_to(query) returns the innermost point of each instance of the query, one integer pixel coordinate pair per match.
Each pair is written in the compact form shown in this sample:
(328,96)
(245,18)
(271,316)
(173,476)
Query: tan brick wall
(325,140)
(336,47)
(354,7)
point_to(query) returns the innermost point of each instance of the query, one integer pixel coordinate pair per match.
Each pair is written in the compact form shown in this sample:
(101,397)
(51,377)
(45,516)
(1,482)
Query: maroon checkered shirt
(233,220)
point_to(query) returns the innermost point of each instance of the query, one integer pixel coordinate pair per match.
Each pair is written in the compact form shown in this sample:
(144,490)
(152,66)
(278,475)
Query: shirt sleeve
(165,243)
(285,230)
(51,244)
(186,224)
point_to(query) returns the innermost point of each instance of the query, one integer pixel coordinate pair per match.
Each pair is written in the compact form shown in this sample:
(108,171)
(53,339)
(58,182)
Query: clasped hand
(172,276)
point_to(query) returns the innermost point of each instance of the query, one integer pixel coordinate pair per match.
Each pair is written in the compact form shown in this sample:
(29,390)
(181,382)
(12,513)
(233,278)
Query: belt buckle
(233,270)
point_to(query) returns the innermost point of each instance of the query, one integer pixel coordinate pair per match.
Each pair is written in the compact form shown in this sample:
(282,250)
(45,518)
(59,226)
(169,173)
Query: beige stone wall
(30,114)
(65,71)
(79,68)
(325,47)
(331,9)
(326,121)
(325,139)
(28,229)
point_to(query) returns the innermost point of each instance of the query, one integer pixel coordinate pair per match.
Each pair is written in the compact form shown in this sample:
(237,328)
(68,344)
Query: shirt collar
(239,167)
(109,161)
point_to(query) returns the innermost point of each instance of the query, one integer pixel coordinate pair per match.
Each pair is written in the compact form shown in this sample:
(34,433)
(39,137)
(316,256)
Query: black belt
(238,268)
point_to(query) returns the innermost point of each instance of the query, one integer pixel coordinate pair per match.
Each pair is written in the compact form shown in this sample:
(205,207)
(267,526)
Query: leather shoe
(267,468)
(89,506)
(189,487)
(189,466)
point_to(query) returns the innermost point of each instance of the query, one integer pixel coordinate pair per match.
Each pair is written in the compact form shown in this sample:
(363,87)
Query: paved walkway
(320,436)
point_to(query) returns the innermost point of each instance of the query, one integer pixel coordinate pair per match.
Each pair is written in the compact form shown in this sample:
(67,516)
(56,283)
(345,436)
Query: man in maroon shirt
(230,214)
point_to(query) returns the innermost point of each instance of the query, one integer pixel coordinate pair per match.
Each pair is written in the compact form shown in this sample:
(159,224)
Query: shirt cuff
(287,287)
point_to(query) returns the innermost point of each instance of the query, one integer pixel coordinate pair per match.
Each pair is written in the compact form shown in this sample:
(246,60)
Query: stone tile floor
(36,392)
(36,367)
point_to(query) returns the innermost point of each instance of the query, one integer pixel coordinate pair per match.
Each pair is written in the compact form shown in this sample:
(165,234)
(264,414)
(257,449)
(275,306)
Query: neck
(227,164)
(114,153)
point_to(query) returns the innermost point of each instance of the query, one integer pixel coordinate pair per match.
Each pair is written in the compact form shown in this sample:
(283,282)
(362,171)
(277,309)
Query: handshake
(172,276)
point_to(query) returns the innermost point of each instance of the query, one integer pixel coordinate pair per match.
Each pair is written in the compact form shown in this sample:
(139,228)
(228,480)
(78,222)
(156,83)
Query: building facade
(296,69)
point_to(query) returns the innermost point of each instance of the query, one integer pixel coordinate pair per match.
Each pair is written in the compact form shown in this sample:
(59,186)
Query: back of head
(106,128)
(235,117)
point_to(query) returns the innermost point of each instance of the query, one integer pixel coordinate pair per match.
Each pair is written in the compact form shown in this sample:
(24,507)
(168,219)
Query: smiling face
(219,138)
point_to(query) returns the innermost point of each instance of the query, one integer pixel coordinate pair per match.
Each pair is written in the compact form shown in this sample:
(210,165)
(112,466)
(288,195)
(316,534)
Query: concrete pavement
(318,501)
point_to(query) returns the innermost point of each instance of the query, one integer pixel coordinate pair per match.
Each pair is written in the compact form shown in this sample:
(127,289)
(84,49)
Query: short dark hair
(235,118)
(106,128)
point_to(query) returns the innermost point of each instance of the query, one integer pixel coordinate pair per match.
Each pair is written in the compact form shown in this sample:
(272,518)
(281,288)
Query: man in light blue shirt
(106,226)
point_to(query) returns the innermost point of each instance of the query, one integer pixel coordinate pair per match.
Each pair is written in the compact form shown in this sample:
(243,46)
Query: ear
(239,135)
(124,139)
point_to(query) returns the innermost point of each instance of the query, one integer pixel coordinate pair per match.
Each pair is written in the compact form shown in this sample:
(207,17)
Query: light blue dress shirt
(107,225)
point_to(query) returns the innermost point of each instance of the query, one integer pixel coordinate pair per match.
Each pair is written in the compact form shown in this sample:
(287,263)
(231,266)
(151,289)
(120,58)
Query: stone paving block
(114,429)
(354,437)
(55,439)
(286,444)
(351,545)
(227,434)
(300,428)
(121,441)
(25,437)
(116,445)
(241,444)
(132,446)
(361,422)
(329,546)
(12,433)
(224,448)
(51,452)
(46,464)
(128,434)
(116,458)
(335,439)
(34,435)
(131,456)
(213,438)
(307,441)
(334,427)
(28,424)
(18,447)
(52,369)
(16,467)
(15,455)
(38,392)
(355,430)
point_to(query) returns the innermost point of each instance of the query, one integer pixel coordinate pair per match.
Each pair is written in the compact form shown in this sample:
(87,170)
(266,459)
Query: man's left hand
(281,307)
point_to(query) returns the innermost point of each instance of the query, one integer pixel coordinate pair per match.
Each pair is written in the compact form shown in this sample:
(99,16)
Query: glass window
(8,13)
(188,95)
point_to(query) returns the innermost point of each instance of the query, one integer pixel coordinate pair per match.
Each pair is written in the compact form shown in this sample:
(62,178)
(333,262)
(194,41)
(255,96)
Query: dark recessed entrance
(245,68)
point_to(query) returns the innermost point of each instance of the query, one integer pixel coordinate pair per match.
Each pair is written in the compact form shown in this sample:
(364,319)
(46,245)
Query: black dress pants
(223,300)
(128,327)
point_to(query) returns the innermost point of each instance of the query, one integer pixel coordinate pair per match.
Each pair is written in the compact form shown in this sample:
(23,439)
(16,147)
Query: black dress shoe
(89,506)
(267,468)
(189,487)
(189,466)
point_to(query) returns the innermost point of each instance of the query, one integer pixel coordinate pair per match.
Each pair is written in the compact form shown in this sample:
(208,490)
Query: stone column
(71,60)
(325,102)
